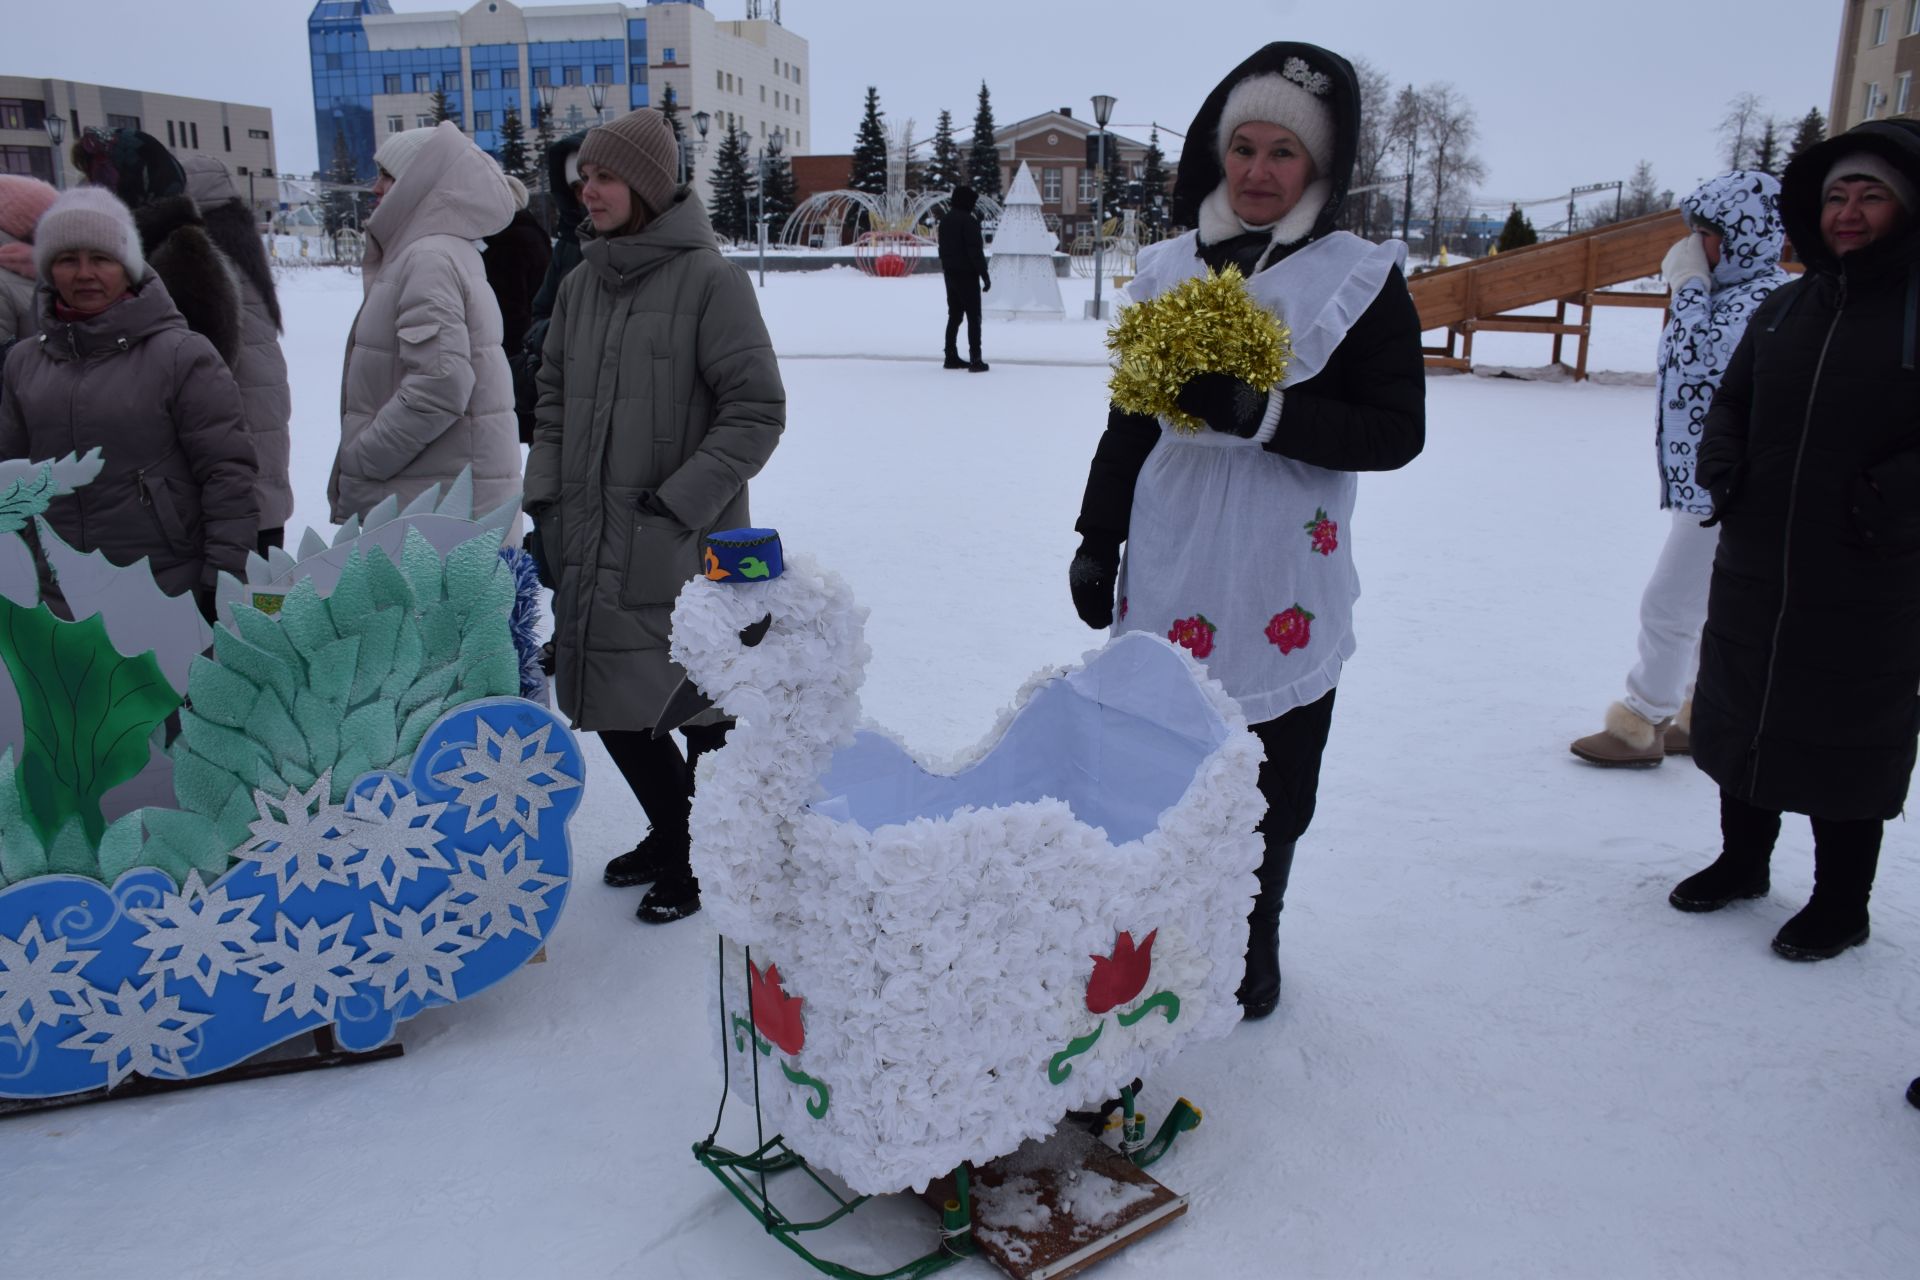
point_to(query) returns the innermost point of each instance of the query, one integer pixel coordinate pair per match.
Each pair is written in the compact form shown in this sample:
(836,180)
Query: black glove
(650,503)
(986,283)
(1224,403)
(534,546)
(1091,577)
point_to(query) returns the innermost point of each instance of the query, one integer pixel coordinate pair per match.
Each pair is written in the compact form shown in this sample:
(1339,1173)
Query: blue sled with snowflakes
(412,892)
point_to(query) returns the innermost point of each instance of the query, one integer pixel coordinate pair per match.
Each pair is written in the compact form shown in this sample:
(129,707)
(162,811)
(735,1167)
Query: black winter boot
(647,861)
(1845,857)
(1746,847)
(954,361)
(1259,992)
(674,896)
(1913,1092)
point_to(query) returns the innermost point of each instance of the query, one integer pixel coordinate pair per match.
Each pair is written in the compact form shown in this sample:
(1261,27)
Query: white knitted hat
(88,218)
(1295,98)
(1865,164)
(398,151)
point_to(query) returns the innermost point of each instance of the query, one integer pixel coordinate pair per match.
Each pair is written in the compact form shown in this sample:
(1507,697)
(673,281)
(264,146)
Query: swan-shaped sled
(945,960)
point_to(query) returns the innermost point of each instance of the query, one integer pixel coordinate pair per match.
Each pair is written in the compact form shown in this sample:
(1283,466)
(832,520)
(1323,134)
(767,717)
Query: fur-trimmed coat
(261,369)
(198,277)
(17,319)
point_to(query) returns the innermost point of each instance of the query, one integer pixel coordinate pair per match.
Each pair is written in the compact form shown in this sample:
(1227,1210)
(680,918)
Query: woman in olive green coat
(660,397)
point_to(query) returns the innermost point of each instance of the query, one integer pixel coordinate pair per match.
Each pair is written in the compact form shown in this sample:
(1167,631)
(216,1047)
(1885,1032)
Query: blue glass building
(375,71)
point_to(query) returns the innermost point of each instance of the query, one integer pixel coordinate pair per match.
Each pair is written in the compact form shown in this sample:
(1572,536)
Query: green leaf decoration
(264,632)
(330,669)
(319,720)
(261,666)
(87,713)
(26,498)
(307,621)
(387,583)
(429,688)
(221,695)
(199,784)
(70,853)
(408,651)
(439,637)
(379,635)
(22,855)
(238,753)
(177,838)
(352,596)
(370,730)
(424,572)
(123,847)
(274,726)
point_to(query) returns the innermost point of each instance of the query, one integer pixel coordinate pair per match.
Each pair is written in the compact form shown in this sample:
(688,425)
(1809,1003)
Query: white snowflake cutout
(305,968)
(392,839)
(500,778)
(299,840)
(137,1029)
(198,935)
(414,953)
(499,892)
(40,981)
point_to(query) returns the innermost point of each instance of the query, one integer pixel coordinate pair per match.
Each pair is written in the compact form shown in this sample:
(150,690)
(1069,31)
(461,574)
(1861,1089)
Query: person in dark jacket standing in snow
(963,261)
(1809,692)
(1239,538)
(516,259)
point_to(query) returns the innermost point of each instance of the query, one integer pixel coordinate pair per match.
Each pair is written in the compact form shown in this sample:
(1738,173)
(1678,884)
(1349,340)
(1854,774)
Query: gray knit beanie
(640,150)
(1865,164)
(88,218)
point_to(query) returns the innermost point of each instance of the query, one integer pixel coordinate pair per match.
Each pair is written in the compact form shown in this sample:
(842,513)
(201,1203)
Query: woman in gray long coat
(659,398)
(115,367)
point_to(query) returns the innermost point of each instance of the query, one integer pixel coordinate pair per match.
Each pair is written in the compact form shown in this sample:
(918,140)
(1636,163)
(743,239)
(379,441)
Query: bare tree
(1403,138)
(1371,157)
(1740,128)
(1448,130)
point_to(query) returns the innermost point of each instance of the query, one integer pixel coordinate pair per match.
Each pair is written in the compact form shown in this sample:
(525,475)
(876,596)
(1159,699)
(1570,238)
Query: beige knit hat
(640,150)
(88,218)
(1865,164)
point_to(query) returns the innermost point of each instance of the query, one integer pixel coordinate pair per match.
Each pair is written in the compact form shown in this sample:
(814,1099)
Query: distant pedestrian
(1809,692)
(426,393)
(963,261)
(516,258)
(1728,264)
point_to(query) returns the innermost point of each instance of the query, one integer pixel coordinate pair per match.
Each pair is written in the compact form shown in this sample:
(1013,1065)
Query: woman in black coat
(1809,692)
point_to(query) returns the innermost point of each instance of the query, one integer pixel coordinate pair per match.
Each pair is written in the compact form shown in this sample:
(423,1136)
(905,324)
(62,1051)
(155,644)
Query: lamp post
(776,141)
(598,92)
(702,121)
(1102,112)
(545,94)
(56,130)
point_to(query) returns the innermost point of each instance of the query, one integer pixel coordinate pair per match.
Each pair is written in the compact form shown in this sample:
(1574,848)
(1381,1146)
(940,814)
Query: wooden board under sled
(1064,1245)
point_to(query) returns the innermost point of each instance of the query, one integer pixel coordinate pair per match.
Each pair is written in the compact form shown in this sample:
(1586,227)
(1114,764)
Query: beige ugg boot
(1626,739)
(1679,739)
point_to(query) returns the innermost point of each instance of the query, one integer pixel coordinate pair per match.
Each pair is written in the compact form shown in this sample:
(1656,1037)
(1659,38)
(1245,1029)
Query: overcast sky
(1567,93)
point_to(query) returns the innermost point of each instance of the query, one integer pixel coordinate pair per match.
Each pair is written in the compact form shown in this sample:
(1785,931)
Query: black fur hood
(198,276)
(232,228)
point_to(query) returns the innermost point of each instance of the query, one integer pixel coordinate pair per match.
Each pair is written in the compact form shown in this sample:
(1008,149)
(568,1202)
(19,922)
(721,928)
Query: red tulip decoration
(775,1013)
(1121,976)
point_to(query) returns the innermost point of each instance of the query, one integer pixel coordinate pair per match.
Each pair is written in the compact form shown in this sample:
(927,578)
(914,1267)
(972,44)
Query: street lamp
(1102,112)
(56,130)
(776,141)
(702,121)
(545,94)
(598,92)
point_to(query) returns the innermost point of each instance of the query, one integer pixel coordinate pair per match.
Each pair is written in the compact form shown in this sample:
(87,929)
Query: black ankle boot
(1845,857)
(674,896)
(954,361)
(977,365)
(1259,993)
(1746,847)
(646,861)
(1723,882)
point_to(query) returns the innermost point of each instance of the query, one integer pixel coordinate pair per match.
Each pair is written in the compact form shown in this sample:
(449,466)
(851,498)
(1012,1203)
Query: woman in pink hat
(22,201)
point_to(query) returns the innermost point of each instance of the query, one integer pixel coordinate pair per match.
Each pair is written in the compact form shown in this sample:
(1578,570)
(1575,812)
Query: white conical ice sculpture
(1024,283)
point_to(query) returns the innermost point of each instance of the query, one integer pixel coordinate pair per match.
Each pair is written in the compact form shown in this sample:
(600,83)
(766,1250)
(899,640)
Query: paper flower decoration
(1208,324)
(1121,976)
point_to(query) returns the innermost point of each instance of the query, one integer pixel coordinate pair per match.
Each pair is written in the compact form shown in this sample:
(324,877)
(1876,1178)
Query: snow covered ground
(1499,1053)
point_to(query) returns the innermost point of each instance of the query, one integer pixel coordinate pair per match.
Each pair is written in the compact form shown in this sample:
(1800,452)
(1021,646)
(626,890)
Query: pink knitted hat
(22,201)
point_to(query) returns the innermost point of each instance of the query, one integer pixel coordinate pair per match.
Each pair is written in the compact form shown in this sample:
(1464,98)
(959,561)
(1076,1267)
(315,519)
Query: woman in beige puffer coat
(426,391)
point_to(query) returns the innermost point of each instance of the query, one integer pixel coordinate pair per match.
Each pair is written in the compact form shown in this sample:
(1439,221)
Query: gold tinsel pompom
(1207,324)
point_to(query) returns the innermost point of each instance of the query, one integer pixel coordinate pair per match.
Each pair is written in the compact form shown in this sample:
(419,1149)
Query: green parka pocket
(662,555)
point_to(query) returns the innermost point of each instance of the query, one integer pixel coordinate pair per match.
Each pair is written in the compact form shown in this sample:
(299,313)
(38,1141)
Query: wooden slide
(1480,296)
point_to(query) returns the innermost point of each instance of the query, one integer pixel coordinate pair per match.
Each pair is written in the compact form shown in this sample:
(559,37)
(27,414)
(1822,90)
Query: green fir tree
(343,207)
(943,165)
(442,109)
(1517,233)
(514,156)
(1812,131)
(870,149)
(780,193)
(1153,185)
(983,155)
(732,186)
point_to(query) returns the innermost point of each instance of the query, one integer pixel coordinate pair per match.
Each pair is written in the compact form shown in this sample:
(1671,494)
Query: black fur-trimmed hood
(1895,141)
(1200,169)
(232,227)
(198,276)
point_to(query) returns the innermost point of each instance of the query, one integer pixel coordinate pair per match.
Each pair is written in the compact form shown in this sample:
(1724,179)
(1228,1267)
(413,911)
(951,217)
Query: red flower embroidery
(1121,976)
(1194,634)
(1324,532)
(775,1013)
(1291,629)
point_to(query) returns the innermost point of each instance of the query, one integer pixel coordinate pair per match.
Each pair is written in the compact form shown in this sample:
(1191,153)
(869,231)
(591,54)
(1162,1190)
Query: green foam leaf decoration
(238,753)
(260,665)
(26,498)
(319,719)
(387,583)
(352,596)
(423,569)
(179,838)
(330,669)
(22,854)
(306,620)
(123,847)
(70,852)
(264,632)
(369,730)
(86,711)
(379,635)
(222,695)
